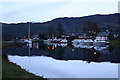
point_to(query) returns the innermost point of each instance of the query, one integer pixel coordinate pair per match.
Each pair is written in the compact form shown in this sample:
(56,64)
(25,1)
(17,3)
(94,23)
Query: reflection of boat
(82,46)
(29,45)
(47,41)
(77,41)
(88,42)
(57,44)
(99,48)
(83,41)
(76,45)
(100,43)
(64,45)
(86,46)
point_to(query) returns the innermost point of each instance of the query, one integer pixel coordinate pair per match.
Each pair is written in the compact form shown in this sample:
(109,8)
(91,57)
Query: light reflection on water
(66,61)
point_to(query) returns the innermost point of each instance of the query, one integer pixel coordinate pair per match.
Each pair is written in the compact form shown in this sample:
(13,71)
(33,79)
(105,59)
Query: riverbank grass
(12,71)
(115,42)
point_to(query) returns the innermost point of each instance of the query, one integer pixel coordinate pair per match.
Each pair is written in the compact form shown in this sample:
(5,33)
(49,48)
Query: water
(66,60)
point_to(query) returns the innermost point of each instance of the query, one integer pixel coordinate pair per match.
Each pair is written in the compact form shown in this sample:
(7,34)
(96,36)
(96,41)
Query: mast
(29,31)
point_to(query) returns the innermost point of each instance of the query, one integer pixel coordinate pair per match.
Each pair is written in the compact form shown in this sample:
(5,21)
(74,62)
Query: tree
(51,31)
(60,30)
(91,29)
(41,35)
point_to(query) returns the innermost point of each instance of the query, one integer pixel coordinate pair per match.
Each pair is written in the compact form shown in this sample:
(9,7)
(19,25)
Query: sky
(15,11)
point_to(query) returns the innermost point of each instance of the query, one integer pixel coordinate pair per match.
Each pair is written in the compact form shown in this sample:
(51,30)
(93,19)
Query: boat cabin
(104,36)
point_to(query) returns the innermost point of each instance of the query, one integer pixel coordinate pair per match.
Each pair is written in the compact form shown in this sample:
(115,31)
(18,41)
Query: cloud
(45,10)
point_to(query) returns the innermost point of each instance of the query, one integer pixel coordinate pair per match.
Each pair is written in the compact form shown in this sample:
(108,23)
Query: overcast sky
(14,11)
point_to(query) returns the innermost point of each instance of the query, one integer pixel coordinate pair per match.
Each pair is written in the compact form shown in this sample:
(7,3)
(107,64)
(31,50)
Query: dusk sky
(15,11)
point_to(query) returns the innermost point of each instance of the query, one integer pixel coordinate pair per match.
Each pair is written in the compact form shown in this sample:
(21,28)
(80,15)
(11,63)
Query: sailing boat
(28,41)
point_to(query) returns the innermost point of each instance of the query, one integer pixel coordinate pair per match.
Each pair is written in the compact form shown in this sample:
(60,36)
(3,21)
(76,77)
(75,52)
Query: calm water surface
(66,60)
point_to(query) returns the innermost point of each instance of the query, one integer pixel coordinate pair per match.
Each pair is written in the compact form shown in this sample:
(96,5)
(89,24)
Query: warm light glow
(37,46)
(48,47)
(55,37)
(53,48)
(95,53)
(72,49)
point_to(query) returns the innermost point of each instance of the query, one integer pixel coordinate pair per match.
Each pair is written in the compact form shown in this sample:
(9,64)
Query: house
(104,36)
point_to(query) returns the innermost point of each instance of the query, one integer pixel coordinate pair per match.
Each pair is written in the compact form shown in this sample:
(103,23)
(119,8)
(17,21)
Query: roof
(105,34)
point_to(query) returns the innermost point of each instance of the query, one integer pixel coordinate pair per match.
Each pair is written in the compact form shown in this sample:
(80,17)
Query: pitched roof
(105,34)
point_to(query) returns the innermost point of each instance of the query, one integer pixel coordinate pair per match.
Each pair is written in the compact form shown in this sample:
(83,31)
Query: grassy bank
(115,42)
(14,72)
(10,70)
(6,44)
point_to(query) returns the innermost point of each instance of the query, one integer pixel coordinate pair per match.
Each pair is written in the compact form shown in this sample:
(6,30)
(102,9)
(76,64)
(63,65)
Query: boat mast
(29,31)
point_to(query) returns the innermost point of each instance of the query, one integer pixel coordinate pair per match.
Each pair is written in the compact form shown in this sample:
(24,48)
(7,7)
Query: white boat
(88,42)
(29,41)
(63,41)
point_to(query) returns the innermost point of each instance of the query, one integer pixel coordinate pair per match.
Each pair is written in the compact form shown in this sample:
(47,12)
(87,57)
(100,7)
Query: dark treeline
(62,26)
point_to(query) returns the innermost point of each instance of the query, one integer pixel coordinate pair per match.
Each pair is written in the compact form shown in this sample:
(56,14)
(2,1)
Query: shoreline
(13,71)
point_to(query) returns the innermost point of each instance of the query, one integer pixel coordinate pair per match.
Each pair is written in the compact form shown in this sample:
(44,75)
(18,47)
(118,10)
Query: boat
(62,40)
(88,42)
(102,39)
(59,40)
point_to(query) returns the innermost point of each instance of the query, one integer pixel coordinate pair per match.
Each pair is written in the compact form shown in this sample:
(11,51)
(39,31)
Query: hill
(70,24)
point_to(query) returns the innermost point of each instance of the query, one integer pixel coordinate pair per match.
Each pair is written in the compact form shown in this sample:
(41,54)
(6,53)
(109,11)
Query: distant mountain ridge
(70,24)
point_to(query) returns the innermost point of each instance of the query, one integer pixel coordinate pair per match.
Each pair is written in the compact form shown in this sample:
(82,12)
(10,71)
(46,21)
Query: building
(104,36)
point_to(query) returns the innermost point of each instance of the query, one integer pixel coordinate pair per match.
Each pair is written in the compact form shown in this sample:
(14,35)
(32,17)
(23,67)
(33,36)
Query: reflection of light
(48,47)
(55,37)
(95,53)
(72,49)
(52,47)
(37,46)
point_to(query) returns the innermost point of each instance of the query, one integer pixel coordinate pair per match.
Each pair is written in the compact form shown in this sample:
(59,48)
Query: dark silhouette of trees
(41,36)
(51,31)
(91,29)
(60,30)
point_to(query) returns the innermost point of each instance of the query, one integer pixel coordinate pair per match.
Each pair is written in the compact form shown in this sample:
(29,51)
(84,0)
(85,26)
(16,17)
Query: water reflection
(57,44)
(55,60)
(68,52)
